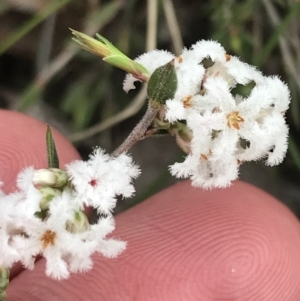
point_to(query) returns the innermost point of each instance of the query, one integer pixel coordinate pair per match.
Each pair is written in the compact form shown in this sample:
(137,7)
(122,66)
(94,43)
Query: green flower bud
(48,193)
(52,177)
(162,84)
(111,54)
(79,223)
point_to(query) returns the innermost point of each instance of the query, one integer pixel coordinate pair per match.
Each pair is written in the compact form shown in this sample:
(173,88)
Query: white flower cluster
(50,221)
(226,129)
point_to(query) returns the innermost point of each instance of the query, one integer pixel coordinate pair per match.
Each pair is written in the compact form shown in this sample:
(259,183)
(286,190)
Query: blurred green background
(45,75)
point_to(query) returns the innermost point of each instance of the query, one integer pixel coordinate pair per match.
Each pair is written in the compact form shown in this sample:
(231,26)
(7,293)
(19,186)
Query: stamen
(203,156)
(187,101)
(180,59)
(48,239)
(228,57)
(233,120)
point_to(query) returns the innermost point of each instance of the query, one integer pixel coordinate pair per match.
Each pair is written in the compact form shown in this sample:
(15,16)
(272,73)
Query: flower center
(187,101)
(48,238)
(234,119)
(180,59)
(93,182)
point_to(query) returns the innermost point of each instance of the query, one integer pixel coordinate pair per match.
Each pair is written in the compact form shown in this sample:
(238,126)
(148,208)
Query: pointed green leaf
(53,161)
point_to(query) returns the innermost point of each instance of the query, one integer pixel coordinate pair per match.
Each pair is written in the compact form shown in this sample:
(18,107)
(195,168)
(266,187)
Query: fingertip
(238,243)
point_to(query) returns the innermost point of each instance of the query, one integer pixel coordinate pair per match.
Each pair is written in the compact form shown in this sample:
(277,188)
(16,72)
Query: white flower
(15,207)
(107,247)
(64,251)
(224,129)
(204,49)
(30,196)
(99,180)
(254,121)
(60,231)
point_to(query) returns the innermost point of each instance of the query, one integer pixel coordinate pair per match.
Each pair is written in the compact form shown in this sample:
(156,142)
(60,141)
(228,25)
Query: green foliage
(20,32)
(292,12)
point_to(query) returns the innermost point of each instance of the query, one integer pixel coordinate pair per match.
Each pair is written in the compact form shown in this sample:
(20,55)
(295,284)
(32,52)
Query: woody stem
(137,133)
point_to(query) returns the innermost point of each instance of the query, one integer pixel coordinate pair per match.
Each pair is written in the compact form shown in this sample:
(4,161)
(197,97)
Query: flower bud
(79,223)
(52,177)
(111,54)
(162,84)
(48,193)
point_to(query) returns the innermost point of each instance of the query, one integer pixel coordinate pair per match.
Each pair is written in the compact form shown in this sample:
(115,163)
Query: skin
(183,243)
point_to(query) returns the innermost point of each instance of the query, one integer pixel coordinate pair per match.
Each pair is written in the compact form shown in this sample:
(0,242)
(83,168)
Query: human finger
(238,244)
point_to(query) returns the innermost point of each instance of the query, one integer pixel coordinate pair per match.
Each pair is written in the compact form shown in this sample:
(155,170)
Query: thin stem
(138,132)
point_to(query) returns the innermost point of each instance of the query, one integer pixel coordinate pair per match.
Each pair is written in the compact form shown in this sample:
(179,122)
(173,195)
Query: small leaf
(53,161)
(162,84)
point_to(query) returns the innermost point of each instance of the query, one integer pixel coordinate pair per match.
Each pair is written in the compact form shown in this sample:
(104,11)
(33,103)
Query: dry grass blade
(36,20)
(173,25)
(152,24)
(283,43)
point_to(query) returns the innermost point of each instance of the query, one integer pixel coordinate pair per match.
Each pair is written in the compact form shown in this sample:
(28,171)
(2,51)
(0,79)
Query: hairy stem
(138,132)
